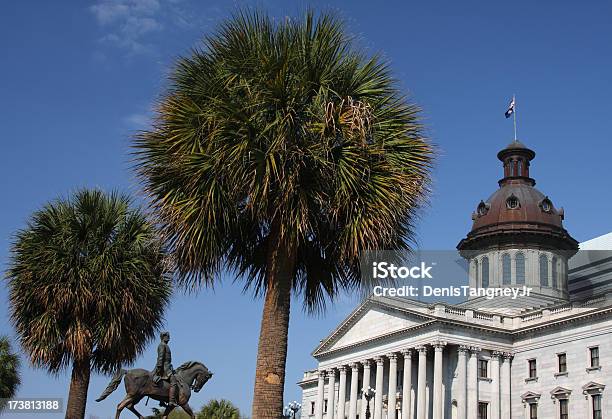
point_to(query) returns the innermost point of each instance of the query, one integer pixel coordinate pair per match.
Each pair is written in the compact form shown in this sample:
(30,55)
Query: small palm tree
(9,371)
(219,409)
(282,153)
(88,281)
(175,414)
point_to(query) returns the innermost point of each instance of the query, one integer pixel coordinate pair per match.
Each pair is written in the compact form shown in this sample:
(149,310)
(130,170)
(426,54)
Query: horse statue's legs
(167,411)
(188,410)
(122,405)
(133,409)
(128,402)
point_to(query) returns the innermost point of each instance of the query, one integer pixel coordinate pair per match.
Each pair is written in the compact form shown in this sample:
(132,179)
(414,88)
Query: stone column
(354,391)
(366,384)
(462,354)
(342,393)
(422,391)
(505,386)
(495,385)
(378,397)
(391,395)
(331,393)
(407,384)
(472,384)
(320,396)
(438,396)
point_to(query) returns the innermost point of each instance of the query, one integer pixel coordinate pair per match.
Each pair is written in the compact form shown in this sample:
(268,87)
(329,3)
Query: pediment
(593,388)
(530,396)
(560,392)
(373,319)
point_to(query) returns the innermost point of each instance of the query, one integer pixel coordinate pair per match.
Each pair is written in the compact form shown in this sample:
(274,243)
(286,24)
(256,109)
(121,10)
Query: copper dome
(517,213)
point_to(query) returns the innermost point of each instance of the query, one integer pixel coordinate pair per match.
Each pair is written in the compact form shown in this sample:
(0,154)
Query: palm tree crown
(218,409)
(9,371)
(88,283)
(281,152)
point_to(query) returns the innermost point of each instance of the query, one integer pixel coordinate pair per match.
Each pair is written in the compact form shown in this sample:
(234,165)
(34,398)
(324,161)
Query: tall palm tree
(88,282)
(9,371)
(281,152)
(219,409)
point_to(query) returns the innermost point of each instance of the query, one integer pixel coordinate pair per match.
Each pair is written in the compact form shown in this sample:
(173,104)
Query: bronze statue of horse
(139,384)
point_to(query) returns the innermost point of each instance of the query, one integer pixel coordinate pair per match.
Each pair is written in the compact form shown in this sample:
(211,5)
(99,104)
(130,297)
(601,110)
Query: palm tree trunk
(79,384)
(272,350)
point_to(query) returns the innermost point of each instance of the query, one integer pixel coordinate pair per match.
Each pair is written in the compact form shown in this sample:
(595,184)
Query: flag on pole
(510,110)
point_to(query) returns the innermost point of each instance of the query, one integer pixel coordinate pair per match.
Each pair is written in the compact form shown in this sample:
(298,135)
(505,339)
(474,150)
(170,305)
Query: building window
(543,271)
(520,167)
(596,406)
(563,409)
(594,355)
(325,406)
(506,269)
(312,408)
(482,209)
(554,272)
(520,268)
(533,411)
(482,410)
(483,369)
(533,372)
(485,272)
(512,202)
(475,272)
(562,358)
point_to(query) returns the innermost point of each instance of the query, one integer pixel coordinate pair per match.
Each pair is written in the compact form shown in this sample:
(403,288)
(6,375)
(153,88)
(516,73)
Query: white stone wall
(544,348)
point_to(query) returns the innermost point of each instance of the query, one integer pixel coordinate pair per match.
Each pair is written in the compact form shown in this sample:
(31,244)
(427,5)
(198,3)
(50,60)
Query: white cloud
(127,22)
(138,120)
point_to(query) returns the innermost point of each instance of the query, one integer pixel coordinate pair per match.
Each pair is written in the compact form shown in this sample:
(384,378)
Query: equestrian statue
(170,387)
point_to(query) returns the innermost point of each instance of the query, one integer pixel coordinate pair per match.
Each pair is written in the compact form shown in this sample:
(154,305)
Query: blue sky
(78,78)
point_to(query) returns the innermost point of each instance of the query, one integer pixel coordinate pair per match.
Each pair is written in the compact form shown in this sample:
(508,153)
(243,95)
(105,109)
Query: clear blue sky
(77,78)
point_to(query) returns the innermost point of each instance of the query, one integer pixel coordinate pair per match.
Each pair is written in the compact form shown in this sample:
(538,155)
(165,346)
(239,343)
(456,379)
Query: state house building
(544,356)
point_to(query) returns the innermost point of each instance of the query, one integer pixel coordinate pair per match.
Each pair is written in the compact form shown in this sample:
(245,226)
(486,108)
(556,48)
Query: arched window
(485,272)
(520,268)
(554,271)
(543,271)
(520,168)
(475,271)
(506,269)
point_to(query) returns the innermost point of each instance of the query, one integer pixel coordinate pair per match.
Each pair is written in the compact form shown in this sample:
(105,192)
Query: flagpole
(514,115)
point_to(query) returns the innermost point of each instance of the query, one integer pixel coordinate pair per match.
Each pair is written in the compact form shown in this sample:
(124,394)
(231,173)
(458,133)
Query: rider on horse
(163,368)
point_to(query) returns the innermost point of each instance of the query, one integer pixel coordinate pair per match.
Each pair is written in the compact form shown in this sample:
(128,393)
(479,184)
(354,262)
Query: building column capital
(507,356)
(407,353)
(380,360)
(464,349)
(439,345)
(355,366)
(392,357)
(342,369)
(322,373)
(366,363)
(421,349)
(475,349)
(331,372)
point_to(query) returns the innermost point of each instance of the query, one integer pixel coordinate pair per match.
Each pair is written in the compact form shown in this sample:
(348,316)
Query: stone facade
(545,356)
(449,360)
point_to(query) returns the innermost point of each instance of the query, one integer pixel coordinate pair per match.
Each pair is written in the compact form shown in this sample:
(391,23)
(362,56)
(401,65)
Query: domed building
(518,238)
(546,354)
